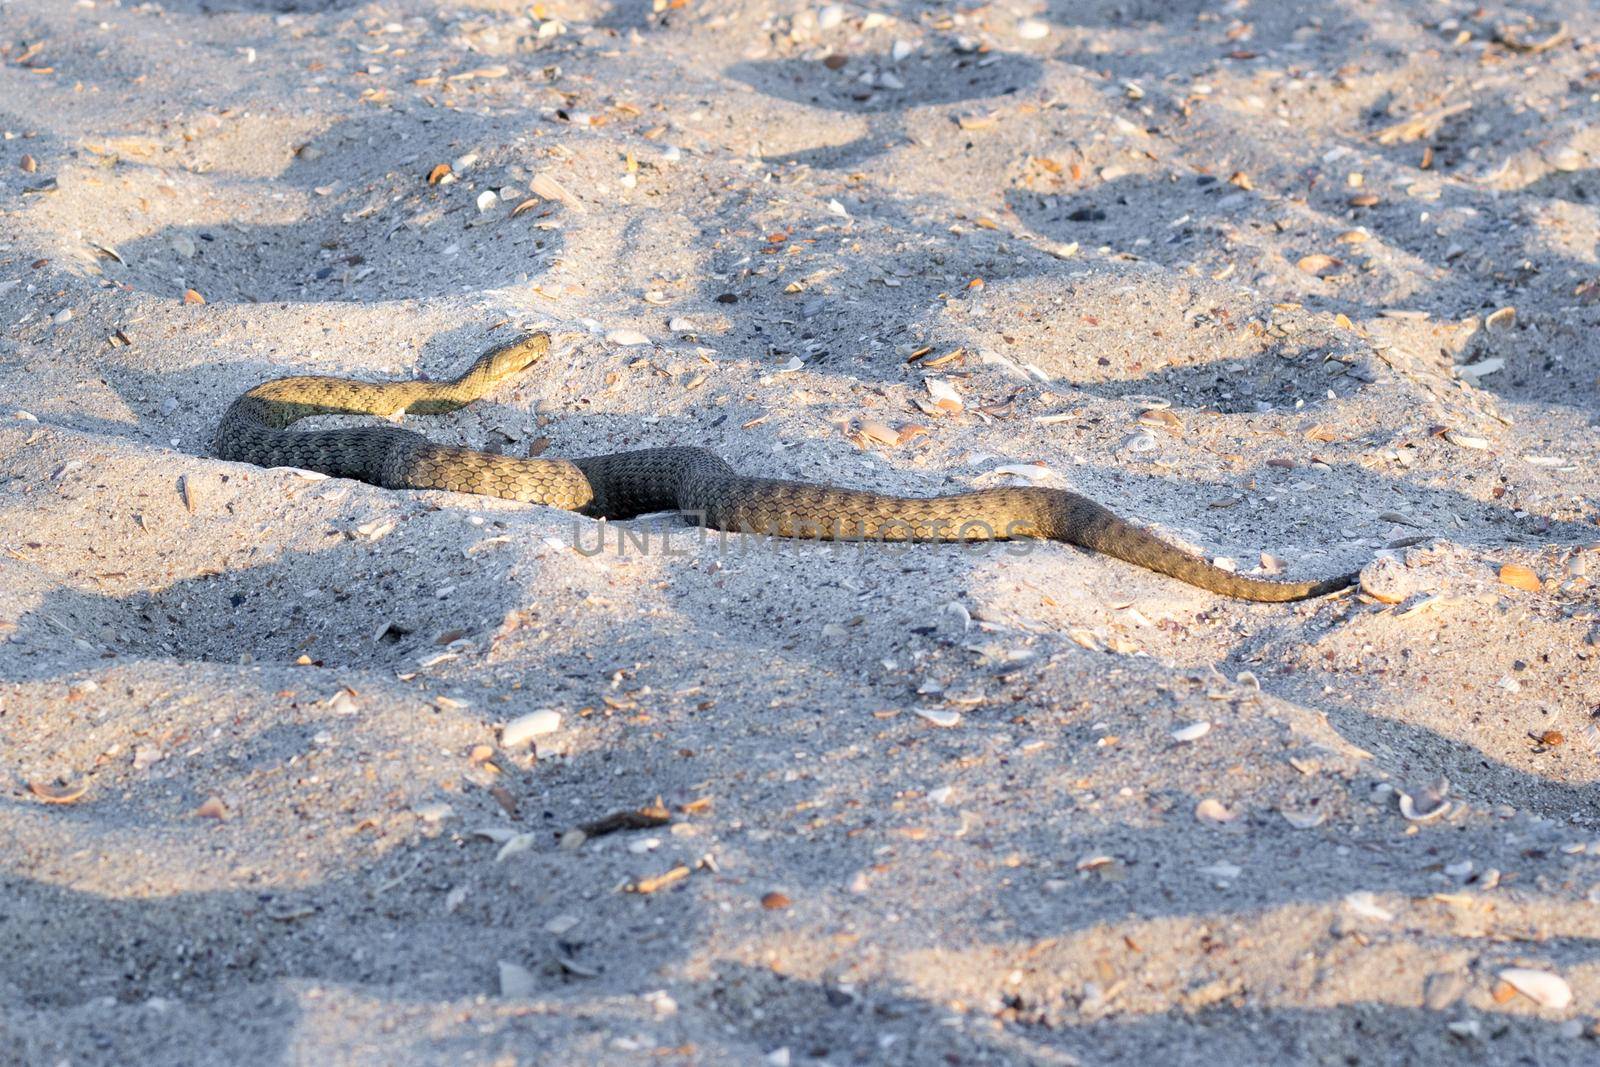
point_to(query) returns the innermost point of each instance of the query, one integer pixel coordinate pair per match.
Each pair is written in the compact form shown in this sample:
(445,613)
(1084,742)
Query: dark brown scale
(689,479)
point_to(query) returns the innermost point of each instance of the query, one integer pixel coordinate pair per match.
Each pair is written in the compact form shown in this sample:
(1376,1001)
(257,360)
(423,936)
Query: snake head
(516,356)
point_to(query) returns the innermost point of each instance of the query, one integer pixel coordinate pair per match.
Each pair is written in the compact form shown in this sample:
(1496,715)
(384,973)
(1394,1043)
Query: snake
(257,429)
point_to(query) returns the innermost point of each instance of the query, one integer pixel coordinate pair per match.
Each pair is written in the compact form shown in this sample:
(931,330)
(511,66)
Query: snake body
(694,480)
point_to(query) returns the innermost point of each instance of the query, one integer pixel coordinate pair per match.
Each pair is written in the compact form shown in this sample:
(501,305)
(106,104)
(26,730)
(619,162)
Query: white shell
(1193,732)
(1032,472)
(1464,440)
(627,337)
(1366,905)
(1542,987)
(518,844)
(944,394)
(1408,808)
(525,728)
(498,834)
(939,716)
(1302,820)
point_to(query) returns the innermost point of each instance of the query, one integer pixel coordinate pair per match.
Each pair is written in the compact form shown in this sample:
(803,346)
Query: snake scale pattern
(256,429)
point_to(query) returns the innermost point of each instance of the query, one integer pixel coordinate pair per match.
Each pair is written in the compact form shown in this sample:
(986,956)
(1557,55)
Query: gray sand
(926,804)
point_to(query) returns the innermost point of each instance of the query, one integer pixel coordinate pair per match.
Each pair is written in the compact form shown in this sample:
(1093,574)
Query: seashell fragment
(1543,988)
(1528,34)
(1519,577)
(939,716)
(1213,811)
(1319,264)
(1193,732)
(525,728)
(497,834)
(1428,806)
(59,794)
(1365,905)
(1303,820)
(213,808)
(627,337)
(435,812)
(944,395)
(514,845)
(562,924)
(880,432)
(1141,441)
(1161,419)
(1033,472)
(1482,368)
(546,186)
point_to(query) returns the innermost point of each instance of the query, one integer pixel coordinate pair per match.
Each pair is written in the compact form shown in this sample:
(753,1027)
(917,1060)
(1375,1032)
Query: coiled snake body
(689,479)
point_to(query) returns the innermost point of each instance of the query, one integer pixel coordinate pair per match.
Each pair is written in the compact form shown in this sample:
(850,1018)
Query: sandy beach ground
(1310,288)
